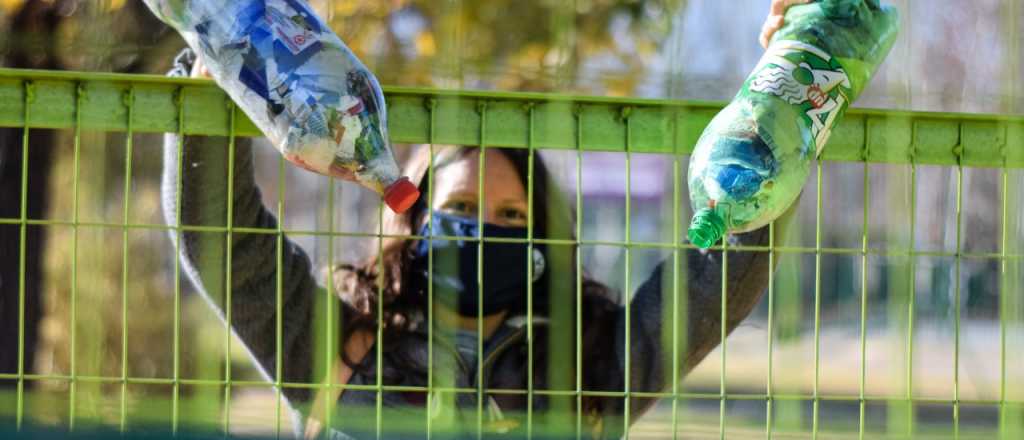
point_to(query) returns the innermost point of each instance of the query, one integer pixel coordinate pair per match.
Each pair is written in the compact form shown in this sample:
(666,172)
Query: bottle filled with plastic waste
(299,83)
(752,160)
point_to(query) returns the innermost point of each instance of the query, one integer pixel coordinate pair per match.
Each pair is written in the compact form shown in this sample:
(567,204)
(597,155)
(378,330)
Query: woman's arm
(746,275)
(202,178)
(651,314)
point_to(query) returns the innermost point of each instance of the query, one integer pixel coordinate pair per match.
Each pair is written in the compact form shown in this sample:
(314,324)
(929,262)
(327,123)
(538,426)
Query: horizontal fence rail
(656,126)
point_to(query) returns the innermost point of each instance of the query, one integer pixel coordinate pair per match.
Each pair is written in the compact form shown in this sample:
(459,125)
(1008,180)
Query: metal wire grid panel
(141,104)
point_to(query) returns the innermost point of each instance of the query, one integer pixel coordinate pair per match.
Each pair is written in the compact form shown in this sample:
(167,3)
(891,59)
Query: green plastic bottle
(752,160)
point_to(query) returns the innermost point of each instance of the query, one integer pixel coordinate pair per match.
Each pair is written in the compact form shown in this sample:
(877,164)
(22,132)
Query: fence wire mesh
(886,261)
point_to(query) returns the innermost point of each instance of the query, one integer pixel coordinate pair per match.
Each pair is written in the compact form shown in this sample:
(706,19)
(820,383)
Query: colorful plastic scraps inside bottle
(299,83)
(752,160)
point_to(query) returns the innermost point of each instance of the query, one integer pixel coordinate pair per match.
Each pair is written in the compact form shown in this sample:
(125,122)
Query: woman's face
(456,189)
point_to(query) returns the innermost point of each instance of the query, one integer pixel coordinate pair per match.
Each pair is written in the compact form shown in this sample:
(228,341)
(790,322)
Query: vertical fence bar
(910,410)
(1005,283)
(900,412)
(530,108)
(578,113)
(330,344)
(912,299)
(129,101)
(482,110)
(676,275)
(29,88)
(722,396)
(672,87)
(72,385)
(770,383)
(229,235)
(431,104)
(626,117)
(956,288)
(180,102)
(1010,293)
(862,381)
(908,100)
(789,316)
(817,304)
(379,340)
(279,299)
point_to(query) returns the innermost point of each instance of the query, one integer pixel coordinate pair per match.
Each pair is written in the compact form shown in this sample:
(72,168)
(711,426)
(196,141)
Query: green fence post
(788,319)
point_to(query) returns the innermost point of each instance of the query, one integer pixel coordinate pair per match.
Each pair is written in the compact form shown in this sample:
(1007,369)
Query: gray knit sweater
(254,300)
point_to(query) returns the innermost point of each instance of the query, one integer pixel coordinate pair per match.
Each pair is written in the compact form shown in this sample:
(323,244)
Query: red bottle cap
(400,196)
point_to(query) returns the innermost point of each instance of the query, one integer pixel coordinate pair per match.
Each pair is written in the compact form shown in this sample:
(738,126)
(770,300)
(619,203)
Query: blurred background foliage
(484,43)
(951,56)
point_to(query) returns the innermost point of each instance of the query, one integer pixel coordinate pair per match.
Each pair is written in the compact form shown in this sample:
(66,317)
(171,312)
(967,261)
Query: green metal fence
(83,102)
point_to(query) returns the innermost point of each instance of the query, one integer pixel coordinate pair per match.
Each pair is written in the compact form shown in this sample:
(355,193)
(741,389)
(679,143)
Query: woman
(415,317)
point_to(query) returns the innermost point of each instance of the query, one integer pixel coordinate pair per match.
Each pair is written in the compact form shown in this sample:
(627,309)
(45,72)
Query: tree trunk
(33,28)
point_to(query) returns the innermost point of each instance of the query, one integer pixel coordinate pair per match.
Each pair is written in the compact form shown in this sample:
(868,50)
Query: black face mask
(456,261)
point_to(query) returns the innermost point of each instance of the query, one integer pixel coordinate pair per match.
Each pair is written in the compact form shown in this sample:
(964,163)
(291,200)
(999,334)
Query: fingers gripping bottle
(752,160)
(299,83)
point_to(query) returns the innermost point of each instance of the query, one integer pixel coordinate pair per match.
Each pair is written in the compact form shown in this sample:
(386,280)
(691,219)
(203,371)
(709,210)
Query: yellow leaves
(345,8)
(620,86)
(349,8)
(646,48)
(425,44)
(10,5)
(533,54)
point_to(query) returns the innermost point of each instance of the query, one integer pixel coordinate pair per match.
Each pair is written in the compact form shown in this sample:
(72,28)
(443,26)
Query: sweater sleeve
(699,308)
(263,269)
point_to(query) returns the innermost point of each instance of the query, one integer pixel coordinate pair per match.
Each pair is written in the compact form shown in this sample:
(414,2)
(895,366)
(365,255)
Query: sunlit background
(952,56)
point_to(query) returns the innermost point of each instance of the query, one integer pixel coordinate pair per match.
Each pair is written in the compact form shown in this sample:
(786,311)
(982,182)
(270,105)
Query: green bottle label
(807,78)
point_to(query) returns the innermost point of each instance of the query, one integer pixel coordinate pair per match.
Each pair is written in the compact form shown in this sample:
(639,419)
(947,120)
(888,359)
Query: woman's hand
(199,69)
(776,19)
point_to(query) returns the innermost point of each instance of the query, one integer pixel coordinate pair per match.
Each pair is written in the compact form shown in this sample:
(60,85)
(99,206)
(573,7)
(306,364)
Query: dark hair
(381,279)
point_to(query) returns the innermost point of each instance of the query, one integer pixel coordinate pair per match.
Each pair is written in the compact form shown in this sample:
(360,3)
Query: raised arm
(202,177)
(651,313)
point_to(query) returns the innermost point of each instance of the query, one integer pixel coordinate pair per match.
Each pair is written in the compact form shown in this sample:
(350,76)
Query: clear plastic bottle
(299,83)
(752,160)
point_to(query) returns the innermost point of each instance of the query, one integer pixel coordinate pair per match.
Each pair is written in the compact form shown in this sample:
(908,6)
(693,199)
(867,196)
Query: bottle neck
(707,227)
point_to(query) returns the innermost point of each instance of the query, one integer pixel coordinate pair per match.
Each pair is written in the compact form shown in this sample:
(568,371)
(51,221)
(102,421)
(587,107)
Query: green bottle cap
(706,228)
